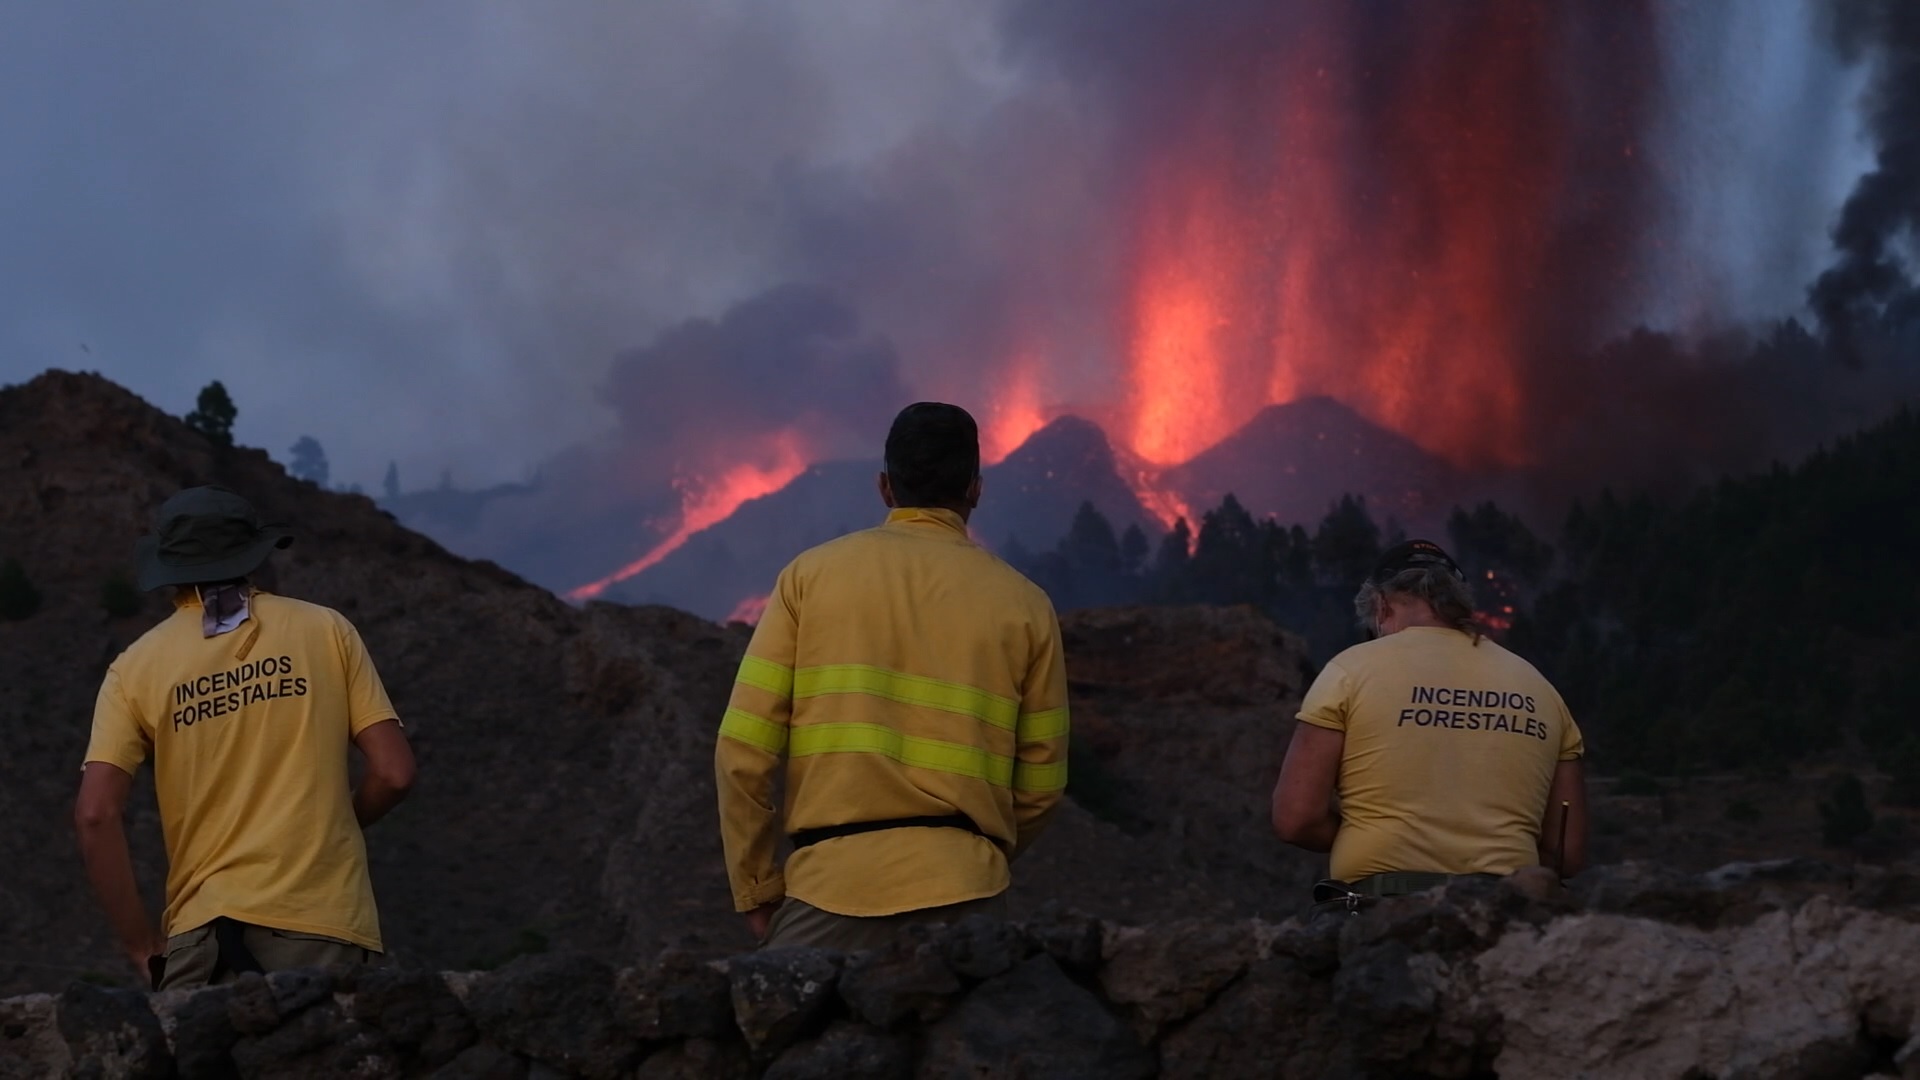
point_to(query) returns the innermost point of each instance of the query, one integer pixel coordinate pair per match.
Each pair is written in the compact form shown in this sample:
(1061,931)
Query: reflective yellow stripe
(774,678)
(1051,777)
(908,690)
(920,753)
(750,729)
(1047,724)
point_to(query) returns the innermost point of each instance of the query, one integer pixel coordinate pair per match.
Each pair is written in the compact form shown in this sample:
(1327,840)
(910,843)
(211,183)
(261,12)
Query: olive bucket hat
(205,534)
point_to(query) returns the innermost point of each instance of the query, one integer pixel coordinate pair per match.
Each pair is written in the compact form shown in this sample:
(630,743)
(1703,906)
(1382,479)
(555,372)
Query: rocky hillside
(1784,969)
(565,796)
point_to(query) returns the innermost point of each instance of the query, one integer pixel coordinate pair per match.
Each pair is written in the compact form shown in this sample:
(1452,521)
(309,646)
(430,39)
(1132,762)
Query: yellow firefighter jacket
(902,671)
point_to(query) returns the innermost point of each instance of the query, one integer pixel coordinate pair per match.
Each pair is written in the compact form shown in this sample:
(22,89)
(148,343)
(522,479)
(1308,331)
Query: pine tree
(1134,550)
(1347,543)
(213,415)
(391,484)
(1171,563)
(309,461)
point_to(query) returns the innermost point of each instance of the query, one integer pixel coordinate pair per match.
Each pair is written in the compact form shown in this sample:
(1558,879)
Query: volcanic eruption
(1413,226)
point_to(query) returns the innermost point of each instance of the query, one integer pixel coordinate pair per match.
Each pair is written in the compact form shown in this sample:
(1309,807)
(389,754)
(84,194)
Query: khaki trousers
(797,922)
(192,956)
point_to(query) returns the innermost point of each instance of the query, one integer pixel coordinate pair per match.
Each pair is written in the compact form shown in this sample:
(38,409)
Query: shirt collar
(186,596)
(927,515)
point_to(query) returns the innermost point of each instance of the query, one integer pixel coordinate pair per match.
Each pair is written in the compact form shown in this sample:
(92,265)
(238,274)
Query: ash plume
(1870,290)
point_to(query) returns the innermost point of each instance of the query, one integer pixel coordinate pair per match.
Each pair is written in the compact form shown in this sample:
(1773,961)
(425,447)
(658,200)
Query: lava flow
(704,504)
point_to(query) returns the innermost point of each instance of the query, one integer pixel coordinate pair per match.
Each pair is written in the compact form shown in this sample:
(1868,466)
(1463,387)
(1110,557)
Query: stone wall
(1788,969)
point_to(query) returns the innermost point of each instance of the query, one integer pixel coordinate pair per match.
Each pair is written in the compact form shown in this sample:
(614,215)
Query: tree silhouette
(309,461)
(1134,550)
(1347,543)
(213,415)
(390,485)
(1227,565)
(1171,562)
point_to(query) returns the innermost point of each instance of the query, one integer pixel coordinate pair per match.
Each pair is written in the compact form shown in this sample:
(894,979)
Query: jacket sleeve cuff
(752,895)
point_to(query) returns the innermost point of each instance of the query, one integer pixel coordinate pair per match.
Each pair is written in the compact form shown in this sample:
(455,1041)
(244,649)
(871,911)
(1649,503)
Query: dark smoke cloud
(1870,290)
(792,358)
(789,368)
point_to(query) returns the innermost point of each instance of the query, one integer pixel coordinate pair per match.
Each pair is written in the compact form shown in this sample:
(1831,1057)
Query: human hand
(760,919)
(147,955)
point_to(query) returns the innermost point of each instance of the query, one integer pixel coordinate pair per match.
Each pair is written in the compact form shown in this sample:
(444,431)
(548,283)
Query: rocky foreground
(1782,969)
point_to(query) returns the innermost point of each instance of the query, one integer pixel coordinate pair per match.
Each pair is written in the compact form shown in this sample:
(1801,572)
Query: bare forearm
(375,798)
(110,870)
(1317,835)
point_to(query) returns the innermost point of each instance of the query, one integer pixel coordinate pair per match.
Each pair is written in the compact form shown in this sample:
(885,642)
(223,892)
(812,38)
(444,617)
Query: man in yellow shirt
(910,688)
(246,702)
(1449,754)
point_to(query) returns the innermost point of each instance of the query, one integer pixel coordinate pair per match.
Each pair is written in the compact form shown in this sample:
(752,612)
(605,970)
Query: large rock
(203,1032)
(1809,992)
(846,1051)
(416,1012)
(112,1034)
(1275,1022)
(316,1043)
(907,979)
(1165,974)
(1032,1023)
(980,947)
(782,994)
(30,1044)
(698,1059)
(483,1062)
(556,1009)
(678,996)
(1074,939)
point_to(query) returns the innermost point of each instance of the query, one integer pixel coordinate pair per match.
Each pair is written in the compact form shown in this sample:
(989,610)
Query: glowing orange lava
(1379,233)
(1015,413)
(748,611)
(704,504)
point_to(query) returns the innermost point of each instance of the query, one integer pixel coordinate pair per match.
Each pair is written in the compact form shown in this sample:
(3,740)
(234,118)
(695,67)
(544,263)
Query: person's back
(248,734)
(247,704)
(911,687)
(1451,747)
(1430,751)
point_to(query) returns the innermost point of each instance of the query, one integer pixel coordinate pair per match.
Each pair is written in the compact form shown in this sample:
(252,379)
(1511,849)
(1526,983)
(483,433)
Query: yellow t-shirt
(249,734)
(1450,752)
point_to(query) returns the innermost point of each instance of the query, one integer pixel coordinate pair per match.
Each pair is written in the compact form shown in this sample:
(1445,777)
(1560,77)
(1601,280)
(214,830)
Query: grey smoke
(1870,292)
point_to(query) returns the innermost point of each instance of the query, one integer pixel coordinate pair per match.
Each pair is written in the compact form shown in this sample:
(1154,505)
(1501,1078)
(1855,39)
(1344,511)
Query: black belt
(805,837)
(1380,886)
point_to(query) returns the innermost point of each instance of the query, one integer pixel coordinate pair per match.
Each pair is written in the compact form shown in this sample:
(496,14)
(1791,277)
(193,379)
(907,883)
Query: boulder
(1816,991)
(482,1062)
(980,947)
(1073,939)
(1029,1024)
(30,1044)
(678,996)
(698,1059)
(112,1034)
(557,1009)
(1275,1022)
(416,1012)
(1165,974)
(907,979)
(317,1042)
(203,1033)
(781,994)
(846,1051)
